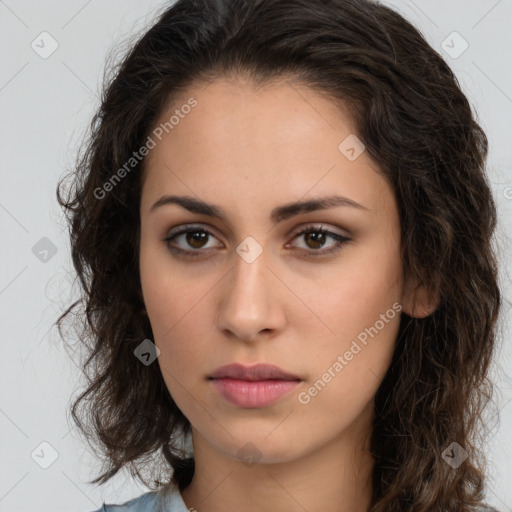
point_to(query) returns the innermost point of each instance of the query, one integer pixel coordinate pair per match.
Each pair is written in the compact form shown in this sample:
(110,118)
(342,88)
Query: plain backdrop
(46,106)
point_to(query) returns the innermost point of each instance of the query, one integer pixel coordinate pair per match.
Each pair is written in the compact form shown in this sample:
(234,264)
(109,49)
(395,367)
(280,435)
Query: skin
(249,151)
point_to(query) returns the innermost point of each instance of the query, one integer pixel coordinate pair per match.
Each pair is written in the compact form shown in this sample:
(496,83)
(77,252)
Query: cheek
(178,323)
(168,296)
(352,364)
(367,284)
(371,292)
(358,308)
(175,310)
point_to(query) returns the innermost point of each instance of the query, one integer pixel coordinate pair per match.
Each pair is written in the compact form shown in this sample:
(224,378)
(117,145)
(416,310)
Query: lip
(251,394)
(256,372)
(253,386)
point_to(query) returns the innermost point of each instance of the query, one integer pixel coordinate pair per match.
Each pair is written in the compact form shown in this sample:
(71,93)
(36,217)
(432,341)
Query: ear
(416,300)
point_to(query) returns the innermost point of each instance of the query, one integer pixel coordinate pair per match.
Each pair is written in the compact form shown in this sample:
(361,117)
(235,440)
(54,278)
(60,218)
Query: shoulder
(168,500)
(145,503)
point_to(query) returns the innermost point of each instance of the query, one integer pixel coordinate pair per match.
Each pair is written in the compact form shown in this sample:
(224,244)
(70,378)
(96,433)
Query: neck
(335,477)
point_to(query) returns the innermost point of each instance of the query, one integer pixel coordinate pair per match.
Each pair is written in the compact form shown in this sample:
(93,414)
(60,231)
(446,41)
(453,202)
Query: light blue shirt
(170,500)
(166,500)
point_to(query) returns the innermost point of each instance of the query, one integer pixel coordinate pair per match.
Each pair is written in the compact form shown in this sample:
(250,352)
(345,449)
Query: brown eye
(316,237)
(193,240)
(196,239)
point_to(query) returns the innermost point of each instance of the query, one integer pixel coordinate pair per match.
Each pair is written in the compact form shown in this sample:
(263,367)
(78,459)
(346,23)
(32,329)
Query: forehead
(280,141)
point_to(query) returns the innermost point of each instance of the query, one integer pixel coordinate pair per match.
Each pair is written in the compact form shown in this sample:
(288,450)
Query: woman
(283,230)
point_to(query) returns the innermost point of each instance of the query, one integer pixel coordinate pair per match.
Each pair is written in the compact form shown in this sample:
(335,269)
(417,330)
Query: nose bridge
(248,302)
(249,280)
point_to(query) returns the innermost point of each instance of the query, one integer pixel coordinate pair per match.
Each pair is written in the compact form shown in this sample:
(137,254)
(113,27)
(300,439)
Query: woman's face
(245,287)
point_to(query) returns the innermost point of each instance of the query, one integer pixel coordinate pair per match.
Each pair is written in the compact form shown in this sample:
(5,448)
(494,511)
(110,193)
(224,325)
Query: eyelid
(209,229)
(319,226)
(184,228)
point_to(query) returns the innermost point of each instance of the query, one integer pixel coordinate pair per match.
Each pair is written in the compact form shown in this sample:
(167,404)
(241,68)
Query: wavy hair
(419,128)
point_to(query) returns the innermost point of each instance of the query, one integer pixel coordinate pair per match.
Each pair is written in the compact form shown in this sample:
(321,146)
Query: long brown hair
(416,124)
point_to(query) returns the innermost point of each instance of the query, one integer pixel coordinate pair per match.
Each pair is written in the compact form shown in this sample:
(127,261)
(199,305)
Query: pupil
(197,237)
(319,238)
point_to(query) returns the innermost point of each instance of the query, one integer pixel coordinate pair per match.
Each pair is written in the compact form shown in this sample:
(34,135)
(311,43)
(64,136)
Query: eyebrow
(278,214)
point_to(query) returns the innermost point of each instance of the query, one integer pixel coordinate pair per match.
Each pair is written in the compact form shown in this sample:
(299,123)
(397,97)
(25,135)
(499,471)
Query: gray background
(46,105)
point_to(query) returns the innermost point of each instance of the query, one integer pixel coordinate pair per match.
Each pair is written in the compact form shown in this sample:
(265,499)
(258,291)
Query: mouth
(253,387)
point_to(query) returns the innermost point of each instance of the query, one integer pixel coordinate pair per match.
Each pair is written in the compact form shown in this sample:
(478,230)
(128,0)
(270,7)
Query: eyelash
(342,240)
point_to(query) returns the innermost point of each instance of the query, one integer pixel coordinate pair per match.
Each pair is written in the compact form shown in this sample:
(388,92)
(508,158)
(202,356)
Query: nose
(251,301)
